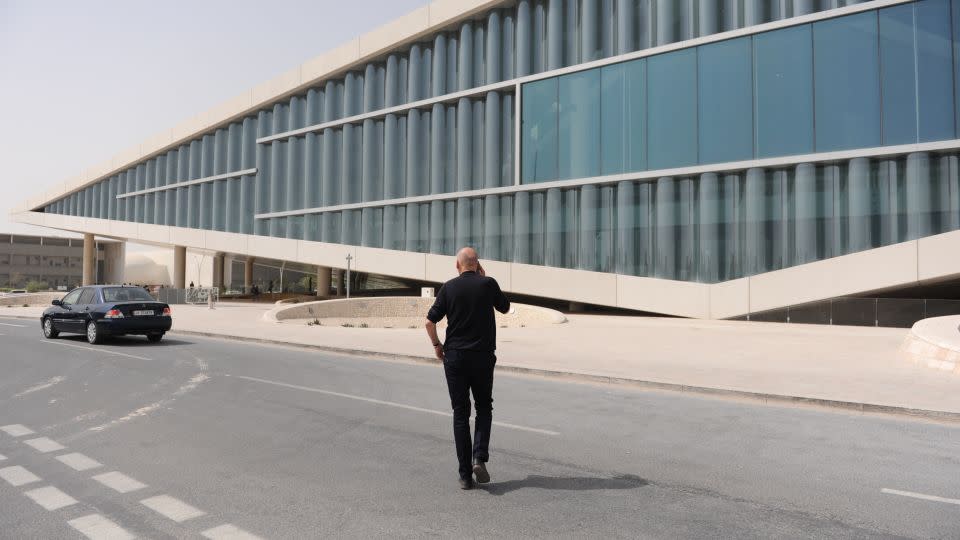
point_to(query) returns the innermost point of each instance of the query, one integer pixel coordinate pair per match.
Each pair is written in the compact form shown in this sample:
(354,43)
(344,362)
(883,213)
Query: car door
(88,300)
(63,315)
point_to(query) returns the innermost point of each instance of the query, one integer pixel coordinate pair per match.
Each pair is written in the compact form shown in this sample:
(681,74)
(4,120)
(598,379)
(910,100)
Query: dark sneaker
(466,483)
(480,471)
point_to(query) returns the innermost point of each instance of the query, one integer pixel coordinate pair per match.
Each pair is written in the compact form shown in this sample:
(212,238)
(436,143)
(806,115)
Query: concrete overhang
(909,263)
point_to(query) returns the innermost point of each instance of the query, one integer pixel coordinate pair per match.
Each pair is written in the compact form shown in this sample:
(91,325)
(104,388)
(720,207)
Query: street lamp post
(349,258)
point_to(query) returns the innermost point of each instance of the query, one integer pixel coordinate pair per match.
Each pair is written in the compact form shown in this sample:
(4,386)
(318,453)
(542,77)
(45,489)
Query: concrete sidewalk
(853,368)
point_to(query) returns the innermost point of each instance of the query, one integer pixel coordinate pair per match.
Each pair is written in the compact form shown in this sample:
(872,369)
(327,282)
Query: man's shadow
(566,483)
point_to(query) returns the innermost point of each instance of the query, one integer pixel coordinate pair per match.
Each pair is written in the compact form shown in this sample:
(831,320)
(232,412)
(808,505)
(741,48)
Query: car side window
(72,297)
(87,296)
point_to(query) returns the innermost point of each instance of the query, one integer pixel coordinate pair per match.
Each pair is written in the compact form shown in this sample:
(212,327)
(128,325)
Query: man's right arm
(437,312)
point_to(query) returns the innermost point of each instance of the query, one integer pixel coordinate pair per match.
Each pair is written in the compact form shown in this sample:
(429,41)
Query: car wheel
(154,338)
(93,334)
(49,331)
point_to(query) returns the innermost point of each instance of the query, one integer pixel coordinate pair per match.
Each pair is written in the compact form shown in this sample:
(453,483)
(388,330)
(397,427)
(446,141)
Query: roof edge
(406,29)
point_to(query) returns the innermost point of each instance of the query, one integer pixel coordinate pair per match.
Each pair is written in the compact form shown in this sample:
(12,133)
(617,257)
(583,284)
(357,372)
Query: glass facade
(797,90)
(875,78)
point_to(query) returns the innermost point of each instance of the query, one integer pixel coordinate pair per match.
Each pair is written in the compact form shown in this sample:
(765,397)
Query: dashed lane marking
(390,404)
(17,430)
(171,508)
(42,386)
(44,445)
(96,350)
(97,527)
(79,462)
(119,482)
(228,532)
(18,476)
(50,498)
(920,496)
(17,325)
(2,457)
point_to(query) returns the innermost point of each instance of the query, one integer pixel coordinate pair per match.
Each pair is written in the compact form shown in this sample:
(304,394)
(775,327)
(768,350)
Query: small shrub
(26,305)
(364,325)
(412,326)
(347,325)
(35,286)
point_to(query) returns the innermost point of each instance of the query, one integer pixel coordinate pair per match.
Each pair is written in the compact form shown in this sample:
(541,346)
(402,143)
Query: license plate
(142,312)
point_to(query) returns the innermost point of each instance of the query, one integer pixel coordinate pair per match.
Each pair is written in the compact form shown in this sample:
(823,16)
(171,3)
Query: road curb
(765,398)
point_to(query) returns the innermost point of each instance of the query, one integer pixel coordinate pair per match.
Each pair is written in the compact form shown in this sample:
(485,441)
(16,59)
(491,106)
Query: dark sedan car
(102,311)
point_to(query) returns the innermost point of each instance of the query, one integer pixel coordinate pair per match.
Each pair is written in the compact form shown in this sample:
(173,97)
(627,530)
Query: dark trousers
(468,371)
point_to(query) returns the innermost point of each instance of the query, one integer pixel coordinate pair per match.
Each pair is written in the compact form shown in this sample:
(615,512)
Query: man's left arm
(500,301)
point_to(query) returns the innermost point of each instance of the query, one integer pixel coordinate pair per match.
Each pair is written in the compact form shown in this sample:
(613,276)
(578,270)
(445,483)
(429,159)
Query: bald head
(467,259)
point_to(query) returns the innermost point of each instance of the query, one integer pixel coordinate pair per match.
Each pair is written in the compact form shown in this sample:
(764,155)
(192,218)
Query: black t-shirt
(468,302)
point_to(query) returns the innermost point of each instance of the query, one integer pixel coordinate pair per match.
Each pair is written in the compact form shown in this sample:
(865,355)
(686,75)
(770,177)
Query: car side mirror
(57,302)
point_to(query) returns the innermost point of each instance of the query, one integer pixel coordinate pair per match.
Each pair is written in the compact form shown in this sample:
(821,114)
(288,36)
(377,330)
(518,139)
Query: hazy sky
(81,81)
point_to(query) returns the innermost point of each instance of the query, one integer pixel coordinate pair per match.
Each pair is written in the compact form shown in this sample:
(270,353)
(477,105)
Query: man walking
(468,357)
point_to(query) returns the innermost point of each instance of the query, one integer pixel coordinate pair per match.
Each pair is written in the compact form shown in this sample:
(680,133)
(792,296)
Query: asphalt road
(196,437)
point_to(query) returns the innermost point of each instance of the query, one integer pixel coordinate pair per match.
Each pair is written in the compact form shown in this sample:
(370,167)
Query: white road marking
(171,508)
(79,462)
(44,445)
(17,325)
(119,482)
(42,386)
(228,532)
(920,496)
(18,476)
(190,385)
(50,498)
(97,527)
(390,404)
(17,430)
(2,457)
(97,350)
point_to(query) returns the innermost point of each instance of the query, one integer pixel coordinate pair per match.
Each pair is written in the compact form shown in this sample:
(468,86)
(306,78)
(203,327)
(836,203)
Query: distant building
(56,261)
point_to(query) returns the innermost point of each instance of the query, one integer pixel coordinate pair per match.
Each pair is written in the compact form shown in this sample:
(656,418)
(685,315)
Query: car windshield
(126,294)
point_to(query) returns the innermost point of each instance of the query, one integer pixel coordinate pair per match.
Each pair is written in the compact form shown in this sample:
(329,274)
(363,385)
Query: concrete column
(114,262)
(179,267)
(324,274)
(248,274)
(555,34)
(218,270)
(859,195)
(626,25)
(227,271)
(709,225)
(89,260)
(805,224)
(340,283)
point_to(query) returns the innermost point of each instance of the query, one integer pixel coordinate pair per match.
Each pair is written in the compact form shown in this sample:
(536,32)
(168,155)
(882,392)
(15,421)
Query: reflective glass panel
(623,101)
(847,93)
(783,69)
(539,131)
(898,83)
(934,70)
(579,128)
(726,101)
(672,119)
